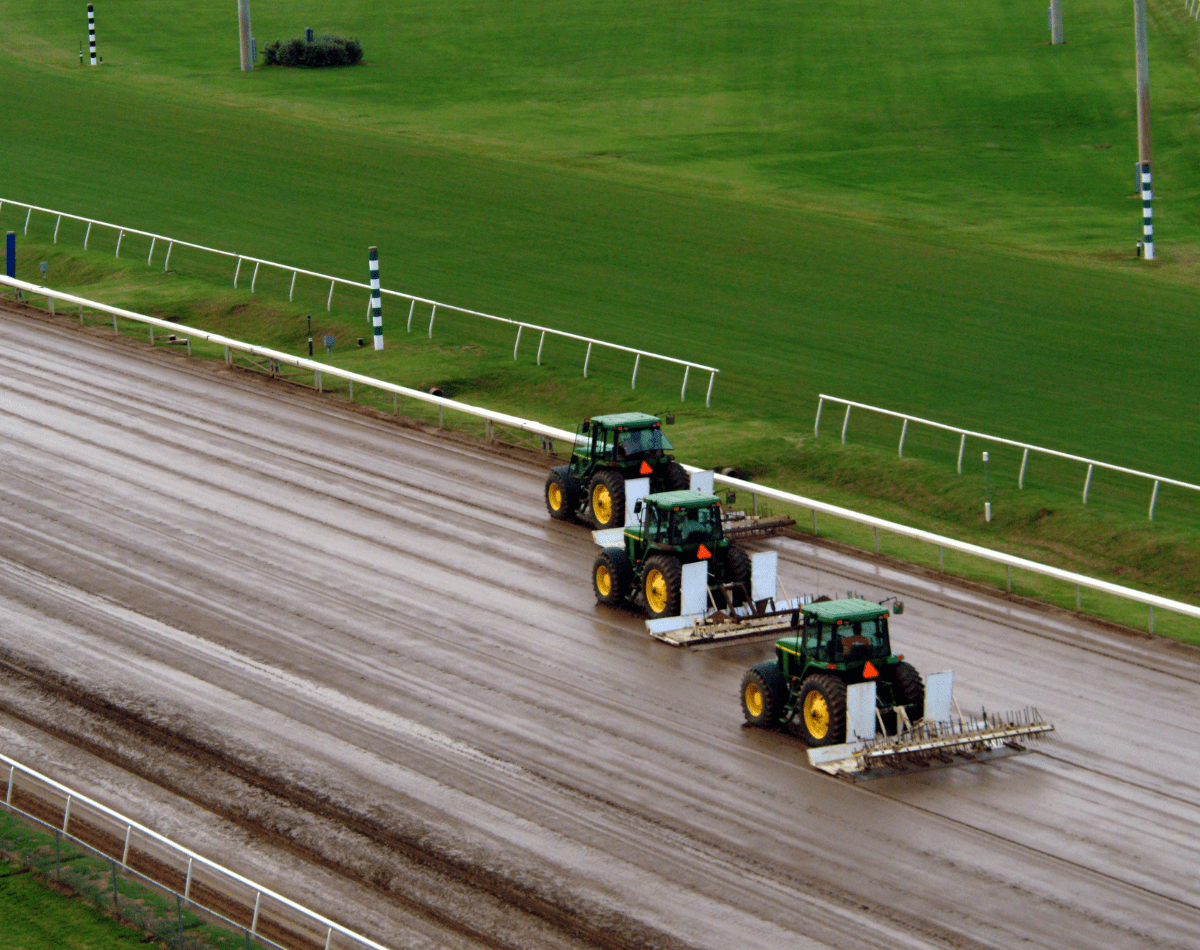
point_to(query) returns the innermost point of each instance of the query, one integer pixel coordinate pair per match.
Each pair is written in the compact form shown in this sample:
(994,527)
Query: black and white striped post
(91,35)
(376,300)
(1143,119)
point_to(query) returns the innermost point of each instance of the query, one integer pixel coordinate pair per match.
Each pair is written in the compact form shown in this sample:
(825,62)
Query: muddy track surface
(359,659)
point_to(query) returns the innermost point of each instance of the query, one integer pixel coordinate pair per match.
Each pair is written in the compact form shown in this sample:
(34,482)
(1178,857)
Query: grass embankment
(55,895)
(471,360)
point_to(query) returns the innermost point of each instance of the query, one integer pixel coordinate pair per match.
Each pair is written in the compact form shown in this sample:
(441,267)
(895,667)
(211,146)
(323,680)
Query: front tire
(562,495)
(822,709)
(606,499)
(662,582)
(764,694)
(611,575)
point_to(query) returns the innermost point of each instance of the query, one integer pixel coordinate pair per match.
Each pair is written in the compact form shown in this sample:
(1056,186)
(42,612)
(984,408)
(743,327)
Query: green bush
(322,51)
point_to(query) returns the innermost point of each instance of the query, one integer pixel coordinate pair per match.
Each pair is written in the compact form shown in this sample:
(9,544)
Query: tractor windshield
(643,442)
(695,526)
(846,642)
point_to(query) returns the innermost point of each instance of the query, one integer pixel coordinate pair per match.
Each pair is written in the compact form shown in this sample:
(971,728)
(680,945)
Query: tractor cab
(618,439)
(672,522)
(848,638)
(681,522)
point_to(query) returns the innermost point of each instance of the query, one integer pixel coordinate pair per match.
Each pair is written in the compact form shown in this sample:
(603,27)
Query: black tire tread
(773,684)
(834,691)
(909,689)
(620,569)
(615,483)
(569,485)
(672,570)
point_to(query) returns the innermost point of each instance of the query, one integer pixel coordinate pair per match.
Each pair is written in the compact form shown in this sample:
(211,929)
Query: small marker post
(987,502)
(376,300)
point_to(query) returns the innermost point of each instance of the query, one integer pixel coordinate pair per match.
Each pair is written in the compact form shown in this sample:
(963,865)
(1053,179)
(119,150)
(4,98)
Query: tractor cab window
(645,443)
(695,525)
(861,640)
(654,523)
(602,446)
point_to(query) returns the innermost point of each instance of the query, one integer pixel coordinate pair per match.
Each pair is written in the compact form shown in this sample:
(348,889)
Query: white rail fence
(550,433)
(411,299)
(1092,464)
(201,878)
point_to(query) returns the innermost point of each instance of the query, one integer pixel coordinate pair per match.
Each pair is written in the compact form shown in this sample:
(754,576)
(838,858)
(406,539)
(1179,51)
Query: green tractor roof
(850,610)
(627,420)
(682,499)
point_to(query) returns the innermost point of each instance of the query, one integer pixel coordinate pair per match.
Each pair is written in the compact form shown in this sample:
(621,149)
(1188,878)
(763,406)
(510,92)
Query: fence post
(876,540)
(942,558)
(167,261)
(411,305)
(254,276)
(1151,617)
(540,342)
(376,299)
(87,234)
(1153,499)
(120,236)
(329,299)
(1087,482)
(292,287)
(125,851)
(237,270)
(56,224)
(712,378)
(962,444)
(1078,600)
(1021,477)
(903,433)
(254,919)
(633,382)
(845,424)
(1008,568)
(432,314)
(586,359)
(28,215)
(150,256)
(817,423)
(517,342)
(683,389)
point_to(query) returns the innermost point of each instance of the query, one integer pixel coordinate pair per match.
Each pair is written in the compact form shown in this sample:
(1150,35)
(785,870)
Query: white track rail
(187,863)
(412,300)
(551,433)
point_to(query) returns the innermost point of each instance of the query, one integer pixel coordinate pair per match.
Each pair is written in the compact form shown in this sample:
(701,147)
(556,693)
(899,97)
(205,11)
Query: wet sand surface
(356,661)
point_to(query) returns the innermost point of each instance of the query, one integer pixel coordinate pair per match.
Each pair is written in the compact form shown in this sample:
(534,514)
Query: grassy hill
(922,206)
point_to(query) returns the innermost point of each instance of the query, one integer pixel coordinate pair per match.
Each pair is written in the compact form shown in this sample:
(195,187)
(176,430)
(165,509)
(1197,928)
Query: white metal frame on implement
(552,433)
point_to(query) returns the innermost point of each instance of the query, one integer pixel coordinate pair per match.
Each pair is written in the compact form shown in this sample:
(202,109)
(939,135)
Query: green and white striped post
(376,300)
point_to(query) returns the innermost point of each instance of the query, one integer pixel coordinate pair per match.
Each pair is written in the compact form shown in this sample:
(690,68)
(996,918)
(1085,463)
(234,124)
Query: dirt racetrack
(357,662)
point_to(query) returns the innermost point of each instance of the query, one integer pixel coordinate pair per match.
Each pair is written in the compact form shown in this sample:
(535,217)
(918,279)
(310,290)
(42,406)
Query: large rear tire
(662,582)
(740,569)
(611,576)
(606,499)
(909,690)
(676,478)
(822,710)
(764,694)
(562,495)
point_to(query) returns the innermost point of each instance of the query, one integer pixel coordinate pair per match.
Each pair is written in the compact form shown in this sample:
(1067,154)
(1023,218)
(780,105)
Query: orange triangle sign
(703,553)
(646,469)
(869,671)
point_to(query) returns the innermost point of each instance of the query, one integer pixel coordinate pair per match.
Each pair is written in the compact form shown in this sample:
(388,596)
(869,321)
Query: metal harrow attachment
(937,741)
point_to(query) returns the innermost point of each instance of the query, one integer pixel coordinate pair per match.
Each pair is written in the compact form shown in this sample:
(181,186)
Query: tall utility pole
(244,33)
(1143,120)
(1056,31)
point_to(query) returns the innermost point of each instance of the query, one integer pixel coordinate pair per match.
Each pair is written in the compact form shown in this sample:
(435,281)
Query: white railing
(1091,464)
(551,433)
(186,863)
(412,299)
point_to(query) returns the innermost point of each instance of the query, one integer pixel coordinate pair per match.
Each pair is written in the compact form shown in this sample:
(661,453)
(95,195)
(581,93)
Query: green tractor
(676,529)
(608,450)
(837,644)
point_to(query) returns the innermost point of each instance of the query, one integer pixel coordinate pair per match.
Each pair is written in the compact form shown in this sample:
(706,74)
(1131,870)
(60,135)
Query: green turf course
(905,204)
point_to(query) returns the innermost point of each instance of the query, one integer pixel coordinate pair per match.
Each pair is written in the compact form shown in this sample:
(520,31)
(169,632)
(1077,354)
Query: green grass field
(920,206)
